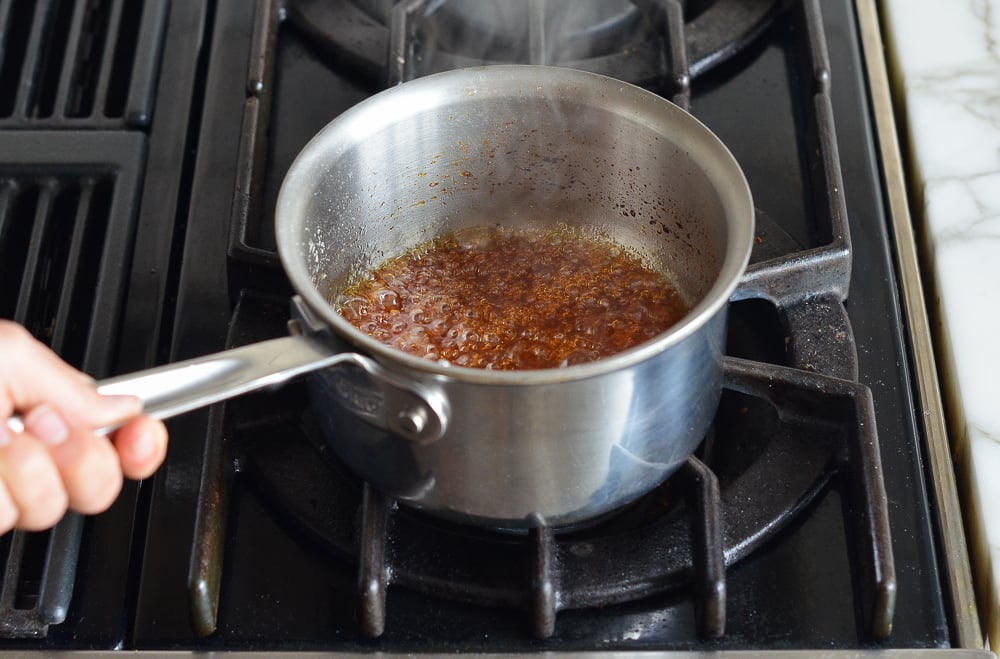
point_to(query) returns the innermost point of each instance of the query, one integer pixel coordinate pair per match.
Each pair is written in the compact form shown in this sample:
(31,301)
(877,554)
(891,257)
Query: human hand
(58,462)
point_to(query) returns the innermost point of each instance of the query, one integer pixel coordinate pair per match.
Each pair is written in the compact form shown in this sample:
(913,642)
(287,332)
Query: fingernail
(45,423)
(5,434)
(143,447)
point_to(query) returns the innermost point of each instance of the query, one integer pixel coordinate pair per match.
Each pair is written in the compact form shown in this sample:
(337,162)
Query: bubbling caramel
(512,299)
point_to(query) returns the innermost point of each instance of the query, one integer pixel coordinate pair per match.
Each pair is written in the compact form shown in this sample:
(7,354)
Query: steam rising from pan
(532,31)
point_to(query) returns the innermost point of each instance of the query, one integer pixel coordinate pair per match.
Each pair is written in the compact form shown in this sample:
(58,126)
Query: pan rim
(712,155)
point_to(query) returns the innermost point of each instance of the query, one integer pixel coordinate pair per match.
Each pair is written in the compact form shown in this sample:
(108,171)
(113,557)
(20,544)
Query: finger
(8,510)
(32,481)
(87,464)
(31,374)
(141,446)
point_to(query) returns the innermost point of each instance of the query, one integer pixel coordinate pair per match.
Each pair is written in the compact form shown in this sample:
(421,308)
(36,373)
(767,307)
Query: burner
(780,437)
(767,477)
(615,38)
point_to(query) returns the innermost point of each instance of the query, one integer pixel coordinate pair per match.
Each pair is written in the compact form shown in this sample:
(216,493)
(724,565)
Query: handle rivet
(413,420)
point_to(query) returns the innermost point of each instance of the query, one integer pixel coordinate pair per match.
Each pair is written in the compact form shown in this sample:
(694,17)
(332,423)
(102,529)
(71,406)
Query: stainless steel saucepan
(499,145)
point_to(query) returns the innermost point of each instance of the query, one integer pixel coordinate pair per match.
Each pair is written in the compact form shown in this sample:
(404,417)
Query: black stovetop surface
(212,145)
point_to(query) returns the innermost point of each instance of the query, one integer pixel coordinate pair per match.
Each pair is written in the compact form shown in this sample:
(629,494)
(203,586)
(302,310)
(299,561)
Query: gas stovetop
(143,147)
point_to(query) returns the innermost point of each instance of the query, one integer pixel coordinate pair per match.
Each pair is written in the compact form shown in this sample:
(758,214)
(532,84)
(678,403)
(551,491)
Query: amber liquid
(513,300)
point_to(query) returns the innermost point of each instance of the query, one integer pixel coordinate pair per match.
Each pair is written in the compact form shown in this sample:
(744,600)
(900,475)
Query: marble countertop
(945,63)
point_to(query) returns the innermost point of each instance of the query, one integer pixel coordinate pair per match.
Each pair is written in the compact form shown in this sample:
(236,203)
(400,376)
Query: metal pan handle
(391,402)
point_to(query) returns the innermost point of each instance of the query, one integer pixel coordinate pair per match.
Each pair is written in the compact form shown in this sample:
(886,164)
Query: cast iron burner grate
(67,210)
(79,64)
(818,430)
(780,438)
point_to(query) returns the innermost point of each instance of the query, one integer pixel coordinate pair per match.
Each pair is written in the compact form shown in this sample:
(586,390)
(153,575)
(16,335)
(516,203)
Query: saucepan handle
(385,399)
